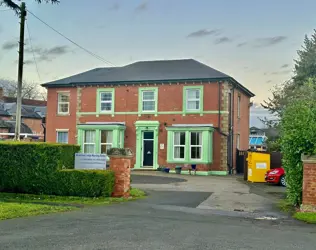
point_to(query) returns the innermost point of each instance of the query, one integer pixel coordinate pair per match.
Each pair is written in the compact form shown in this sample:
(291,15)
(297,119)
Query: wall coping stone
(308,158)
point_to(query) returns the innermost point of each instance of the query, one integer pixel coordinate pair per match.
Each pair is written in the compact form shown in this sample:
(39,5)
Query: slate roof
(147,71)
(3,111)
(24,128)
(26,110)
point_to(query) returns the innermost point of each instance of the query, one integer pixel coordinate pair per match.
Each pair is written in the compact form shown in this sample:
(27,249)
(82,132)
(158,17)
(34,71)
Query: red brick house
(170,113)
(32,113)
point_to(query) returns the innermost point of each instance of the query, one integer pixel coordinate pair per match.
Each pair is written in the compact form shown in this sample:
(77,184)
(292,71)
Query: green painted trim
(184,100)
(158,113)
(140,100)
(142,126)
(201,173)
(207,145)
(126,113)
(100,126)
(117,130)
(193,129)
(98,103)
(146,123)
(218,173)
(186,172)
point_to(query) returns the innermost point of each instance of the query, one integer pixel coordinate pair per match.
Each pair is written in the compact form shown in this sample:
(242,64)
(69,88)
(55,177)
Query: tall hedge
(298,128)
(36,168)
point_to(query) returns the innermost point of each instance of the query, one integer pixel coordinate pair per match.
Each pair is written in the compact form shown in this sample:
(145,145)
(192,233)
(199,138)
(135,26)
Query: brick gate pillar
(309,183)
(121,166)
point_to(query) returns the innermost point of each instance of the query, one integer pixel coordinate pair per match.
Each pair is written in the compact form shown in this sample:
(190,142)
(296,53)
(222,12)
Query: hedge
(36,168)
(88,183)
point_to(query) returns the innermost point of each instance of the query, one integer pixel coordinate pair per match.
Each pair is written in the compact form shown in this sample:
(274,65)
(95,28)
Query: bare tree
(30,90)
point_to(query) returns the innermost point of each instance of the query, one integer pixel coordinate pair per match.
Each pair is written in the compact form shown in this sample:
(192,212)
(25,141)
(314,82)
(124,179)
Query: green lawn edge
(68,200)
(11,210)
(287,207)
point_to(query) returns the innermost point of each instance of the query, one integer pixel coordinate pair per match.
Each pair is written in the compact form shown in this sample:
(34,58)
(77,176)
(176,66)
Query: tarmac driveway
(225,193)
(167,219)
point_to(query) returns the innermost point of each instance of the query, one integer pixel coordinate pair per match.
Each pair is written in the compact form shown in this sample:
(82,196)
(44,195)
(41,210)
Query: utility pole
(20,74)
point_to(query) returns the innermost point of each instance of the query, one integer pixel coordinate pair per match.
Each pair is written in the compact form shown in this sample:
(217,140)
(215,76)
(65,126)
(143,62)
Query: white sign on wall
(162,146)
(90,161)
(261,165)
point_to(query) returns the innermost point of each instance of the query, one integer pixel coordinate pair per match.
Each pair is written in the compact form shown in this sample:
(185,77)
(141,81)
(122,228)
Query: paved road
(165,220)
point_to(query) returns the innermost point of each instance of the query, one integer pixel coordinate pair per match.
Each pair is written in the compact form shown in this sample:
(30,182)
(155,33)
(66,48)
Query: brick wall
(241,123)
(55,121)
(34,124)
(170,98)
(309,183)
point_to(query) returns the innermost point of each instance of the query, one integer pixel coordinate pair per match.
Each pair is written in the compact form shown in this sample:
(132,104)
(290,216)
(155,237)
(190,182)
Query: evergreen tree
(304,69)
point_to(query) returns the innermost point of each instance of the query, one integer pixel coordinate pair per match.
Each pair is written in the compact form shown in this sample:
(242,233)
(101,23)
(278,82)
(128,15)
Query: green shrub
(298,128)
(87,183)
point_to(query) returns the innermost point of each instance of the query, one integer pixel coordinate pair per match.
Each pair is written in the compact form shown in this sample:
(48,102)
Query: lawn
(19,205)
(287,207)
(68,200)
(308,217)
(9,210)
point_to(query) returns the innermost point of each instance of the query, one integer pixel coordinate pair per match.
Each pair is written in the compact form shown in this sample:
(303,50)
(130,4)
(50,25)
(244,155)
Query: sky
(255,42)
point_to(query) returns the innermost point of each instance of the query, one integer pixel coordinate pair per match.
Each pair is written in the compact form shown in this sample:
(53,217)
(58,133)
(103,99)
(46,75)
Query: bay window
(195,145)
(179,145)
(190,144)
(106,140)
(89,142)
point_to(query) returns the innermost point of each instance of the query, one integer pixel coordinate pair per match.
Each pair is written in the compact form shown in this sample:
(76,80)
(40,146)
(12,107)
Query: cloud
(285,66)
(222,40)
(48,54)
(115,6)
(268,41)
(142,7)
(28,62)
(269,81)
(10,45)
(204,32)
(242,44)
(283,72)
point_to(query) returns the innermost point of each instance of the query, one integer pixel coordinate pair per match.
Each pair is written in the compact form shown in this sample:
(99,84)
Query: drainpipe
(230,139)
(219,105)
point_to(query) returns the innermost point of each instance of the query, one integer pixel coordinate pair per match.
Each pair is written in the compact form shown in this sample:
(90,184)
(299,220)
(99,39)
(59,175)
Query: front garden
(39,178)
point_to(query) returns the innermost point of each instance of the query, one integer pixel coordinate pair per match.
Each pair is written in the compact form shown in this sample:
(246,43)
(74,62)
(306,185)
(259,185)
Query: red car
(276,176)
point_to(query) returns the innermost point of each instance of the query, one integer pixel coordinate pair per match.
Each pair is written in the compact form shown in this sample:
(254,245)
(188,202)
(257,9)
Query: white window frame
(193,99)
(153,100)
(62,131)
(196,146)
(238,105)
(59,112)
(106,111)
(89,143)
(174,145)
(105,143)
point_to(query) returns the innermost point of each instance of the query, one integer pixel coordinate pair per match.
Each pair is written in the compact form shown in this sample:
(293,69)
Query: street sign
(90,161)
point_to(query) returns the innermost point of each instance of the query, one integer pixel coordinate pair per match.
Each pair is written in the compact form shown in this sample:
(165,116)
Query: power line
(28,32)
(73,42)
(5,10)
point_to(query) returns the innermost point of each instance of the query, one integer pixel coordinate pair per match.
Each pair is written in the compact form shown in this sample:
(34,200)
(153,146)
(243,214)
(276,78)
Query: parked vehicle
(276,176)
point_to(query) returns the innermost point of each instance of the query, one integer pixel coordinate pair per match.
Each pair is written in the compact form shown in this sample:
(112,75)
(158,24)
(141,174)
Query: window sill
(189,162)
(61,114)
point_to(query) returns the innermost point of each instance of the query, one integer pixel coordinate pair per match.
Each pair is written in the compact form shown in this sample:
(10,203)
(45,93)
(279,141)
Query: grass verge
(70,200)
(286,206)
(308,217)
(9,210)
